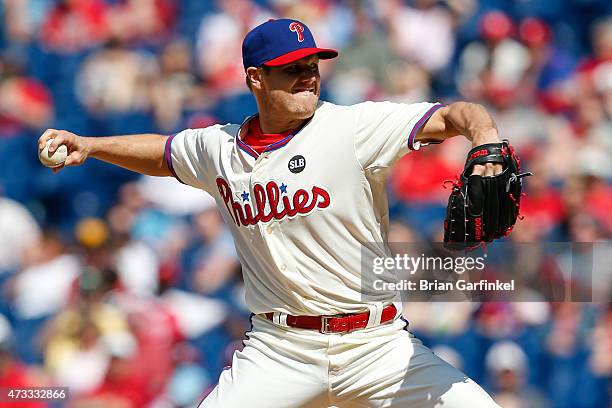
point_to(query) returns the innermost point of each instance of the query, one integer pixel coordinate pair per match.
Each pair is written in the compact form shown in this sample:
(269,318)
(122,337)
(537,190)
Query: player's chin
(305,104)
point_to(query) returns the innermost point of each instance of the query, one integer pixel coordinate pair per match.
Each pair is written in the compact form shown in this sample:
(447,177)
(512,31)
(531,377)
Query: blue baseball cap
(279,42)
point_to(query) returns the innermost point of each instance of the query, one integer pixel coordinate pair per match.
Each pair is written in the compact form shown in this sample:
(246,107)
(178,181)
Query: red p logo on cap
(297,28)
(273,44)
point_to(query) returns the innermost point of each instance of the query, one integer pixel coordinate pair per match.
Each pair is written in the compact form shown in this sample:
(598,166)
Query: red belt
(337,323)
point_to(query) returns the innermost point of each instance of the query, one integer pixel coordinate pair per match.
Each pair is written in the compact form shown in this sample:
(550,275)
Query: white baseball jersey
(305,211)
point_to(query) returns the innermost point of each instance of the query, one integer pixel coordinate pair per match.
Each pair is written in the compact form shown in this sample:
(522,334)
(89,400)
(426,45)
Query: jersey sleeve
(385,131)
(187,155)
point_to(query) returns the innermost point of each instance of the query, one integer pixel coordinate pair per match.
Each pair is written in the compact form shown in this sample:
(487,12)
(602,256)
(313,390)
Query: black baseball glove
(483,208)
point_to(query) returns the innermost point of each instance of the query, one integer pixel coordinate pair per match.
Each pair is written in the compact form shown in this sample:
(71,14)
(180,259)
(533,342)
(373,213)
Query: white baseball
(56,159)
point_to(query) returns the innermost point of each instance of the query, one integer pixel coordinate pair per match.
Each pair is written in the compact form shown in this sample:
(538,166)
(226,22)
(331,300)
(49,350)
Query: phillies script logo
(298,29)
(278,202)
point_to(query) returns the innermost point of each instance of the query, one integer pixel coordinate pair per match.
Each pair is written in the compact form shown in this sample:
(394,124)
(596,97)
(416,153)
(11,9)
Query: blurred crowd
(128,290)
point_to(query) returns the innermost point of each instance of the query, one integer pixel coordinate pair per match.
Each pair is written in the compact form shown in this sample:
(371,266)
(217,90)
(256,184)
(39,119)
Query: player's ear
(254,77)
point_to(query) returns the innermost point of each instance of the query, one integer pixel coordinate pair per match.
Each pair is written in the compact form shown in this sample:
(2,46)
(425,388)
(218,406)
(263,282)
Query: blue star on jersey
(245,196)
(283,188)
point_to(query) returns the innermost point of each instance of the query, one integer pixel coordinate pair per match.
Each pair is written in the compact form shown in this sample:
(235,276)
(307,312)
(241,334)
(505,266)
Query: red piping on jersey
(168,157)
(420,123)
(254,131)
(247,148)
(259,141)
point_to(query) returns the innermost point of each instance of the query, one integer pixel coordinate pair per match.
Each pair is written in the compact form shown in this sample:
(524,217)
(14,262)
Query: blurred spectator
(563,338)
(156,329)
(187,385)
(168,238)
(496,320)
(116,79)
(520,121)
(75,25)
(362,70)
(534,267)
(147,241)
(549,78)
(542,205)
(601,339)
(217,263)
(588,116)
(23,18)
(219,44)
(585,264)
(20,233)
(412,26)
(13,373)
(64,334)
(556,152)
(188,382)
(493,68)
(38,290)
(176,87)
(420,177)
(592,195)
(122,215)
(596,70)
(402,238)
(137,264)
(141,20)
(571,382)
(43,286)
(408,83)
(186,310)
(95,250)
(174,198)
(82,366)
(508,365)
(25,103)
(121,386)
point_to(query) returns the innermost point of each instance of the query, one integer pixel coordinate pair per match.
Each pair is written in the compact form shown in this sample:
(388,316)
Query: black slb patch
(297,164)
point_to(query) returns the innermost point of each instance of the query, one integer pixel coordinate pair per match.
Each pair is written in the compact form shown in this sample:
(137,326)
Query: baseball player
(301,185)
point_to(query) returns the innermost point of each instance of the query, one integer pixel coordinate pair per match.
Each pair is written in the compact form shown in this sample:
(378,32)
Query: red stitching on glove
(456,183)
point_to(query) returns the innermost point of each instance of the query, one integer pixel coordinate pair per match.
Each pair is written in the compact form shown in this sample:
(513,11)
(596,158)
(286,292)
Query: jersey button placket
(258,171)
(257,176)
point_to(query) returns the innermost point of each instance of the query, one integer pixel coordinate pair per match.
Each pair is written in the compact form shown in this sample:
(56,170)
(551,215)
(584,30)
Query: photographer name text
(445,286)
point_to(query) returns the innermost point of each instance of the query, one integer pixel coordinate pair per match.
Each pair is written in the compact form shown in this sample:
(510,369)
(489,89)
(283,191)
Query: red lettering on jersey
(300,198)
(259,194)
(291,211)
(280,205)
(226,194)
(298,29)
(273,199)
(319,192)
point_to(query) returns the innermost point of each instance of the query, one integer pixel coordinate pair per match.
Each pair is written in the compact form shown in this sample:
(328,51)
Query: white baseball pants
(383,366)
